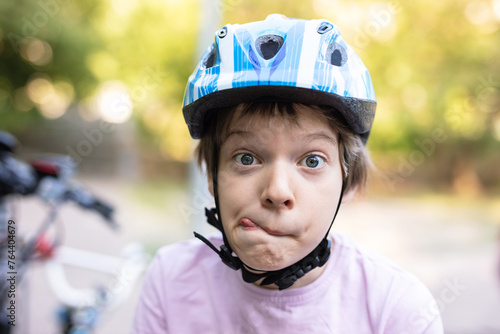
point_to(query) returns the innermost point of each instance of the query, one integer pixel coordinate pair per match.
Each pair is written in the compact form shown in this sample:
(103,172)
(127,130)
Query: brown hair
(353,154)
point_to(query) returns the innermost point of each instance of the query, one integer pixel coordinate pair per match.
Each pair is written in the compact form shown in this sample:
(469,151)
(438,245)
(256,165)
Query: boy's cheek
(223,179)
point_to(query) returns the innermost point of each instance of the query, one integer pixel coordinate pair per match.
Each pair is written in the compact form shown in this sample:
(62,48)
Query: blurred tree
(43,45)
(149,46)
(434,65)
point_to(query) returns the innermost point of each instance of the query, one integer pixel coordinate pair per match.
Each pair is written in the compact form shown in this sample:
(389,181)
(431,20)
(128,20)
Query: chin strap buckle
(225,252)
(231,261)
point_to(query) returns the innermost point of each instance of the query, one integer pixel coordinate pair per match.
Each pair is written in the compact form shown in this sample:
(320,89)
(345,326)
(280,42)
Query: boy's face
(279,186)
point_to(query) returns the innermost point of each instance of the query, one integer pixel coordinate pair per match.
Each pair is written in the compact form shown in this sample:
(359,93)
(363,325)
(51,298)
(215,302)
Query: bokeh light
(52,100)
(496,9)
(478,12)
(36,51)
(40,89)
(113,102)
(414,96)
(482,14)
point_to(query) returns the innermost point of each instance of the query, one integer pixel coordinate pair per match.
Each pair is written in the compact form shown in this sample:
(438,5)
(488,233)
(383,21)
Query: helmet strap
(283,278)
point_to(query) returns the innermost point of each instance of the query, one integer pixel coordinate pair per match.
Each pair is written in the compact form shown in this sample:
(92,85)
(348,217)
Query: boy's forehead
(304,122)
(302,116)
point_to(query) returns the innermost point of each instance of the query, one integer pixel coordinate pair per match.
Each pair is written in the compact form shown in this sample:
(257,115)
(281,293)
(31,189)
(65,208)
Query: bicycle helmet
(280,59)
(289,59)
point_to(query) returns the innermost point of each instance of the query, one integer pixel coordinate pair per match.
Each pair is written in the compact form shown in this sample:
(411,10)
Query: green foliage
(47,39)
(434,64)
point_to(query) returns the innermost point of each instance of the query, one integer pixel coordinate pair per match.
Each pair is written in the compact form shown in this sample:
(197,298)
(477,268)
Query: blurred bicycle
(50,177)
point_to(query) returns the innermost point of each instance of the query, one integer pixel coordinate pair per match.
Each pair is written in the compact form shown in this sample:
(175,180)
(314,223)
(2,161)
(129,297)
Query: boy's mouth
(249,225)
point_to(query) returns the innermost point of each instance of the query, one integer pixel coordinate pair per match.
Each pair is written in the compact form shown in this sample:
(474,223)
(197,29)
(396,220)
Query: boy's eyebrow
(240,133)
(319,136)
(307,137)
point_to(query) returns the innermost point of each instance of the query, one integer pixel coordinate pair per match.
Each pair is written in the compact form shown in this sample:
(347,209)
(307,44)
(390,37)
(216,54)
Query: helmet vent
(268,45)
(325,27)
(222,32)
(336,54)
(211,58)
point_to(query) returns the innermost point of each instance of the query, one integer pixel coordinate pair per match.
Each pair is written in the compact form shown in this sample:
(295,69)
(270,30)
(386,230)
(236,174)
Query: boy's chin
(270,264)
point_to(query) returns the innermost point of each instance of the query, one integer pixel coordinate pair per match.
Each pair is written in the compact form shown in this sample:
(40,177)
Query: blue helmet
(284,59)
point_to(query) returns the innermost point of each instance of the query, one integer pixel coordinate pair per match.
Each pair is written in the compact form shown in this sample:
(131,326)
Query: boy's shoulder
(377,271)
(385,285)
(355,254)
(178,257)
(193,244)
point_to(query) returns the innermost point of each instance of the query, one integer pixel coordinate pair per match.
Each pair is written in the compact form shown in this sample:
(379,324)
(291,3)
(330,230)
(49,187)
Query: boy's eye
(245,159)
(312,161)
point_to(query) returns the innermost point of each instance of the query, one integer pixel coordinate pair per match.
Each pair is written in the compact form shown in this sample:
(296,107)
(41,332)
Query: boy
(283,108)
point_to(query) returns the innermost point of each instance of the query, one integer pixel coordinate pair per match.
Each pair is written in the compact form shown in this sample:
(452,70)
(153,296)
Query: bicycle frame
(82,307)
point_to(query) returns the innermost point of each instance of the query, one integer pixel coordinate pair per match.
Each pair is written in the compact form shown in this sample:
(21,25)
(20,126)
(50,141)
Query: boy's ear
(348,196)
(210,183)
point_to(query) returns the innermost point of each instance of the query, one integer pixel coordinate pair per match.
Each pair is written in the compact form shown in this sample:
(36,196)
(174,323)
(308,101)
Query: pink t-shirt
(188,290)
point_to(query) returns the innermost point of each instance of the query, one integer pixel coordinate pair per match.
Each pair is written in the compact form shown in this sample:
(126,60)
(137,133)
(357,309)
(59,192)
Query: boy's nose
(277,191)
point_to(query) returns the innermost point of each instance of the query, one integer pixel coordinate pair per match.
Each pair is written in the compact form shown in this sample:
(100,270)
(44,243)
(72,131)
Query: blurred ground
(451,244)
